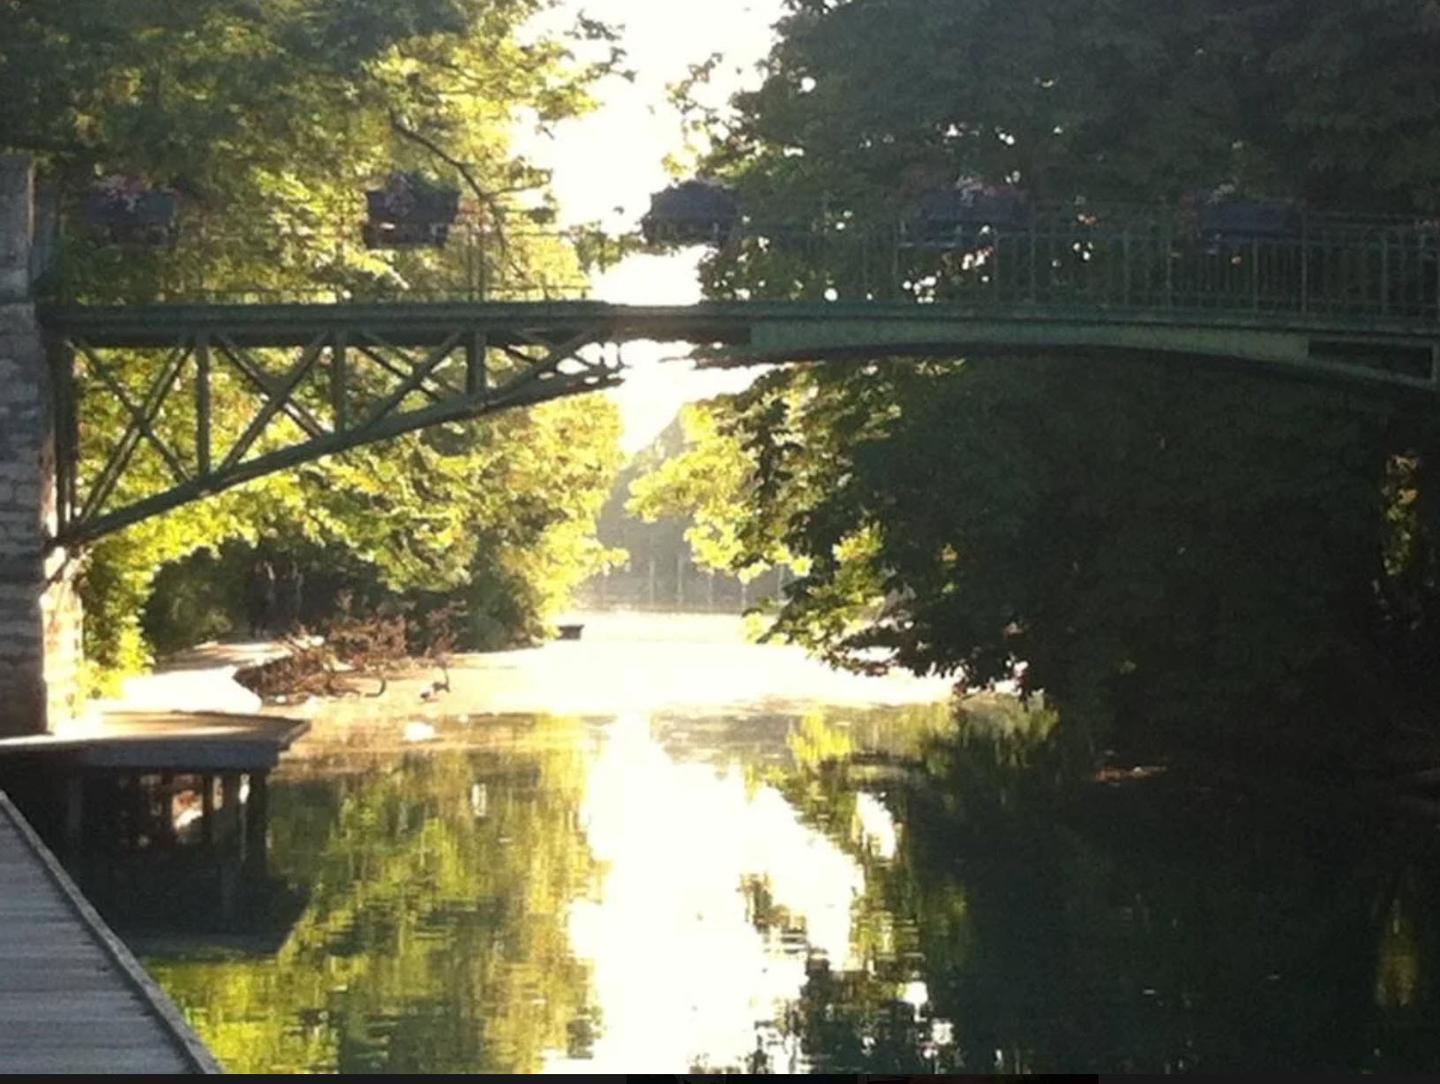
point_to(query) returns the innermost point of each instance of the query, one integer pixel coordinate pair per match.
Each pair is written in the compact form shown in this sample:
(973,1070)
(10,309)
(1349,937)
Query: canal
(664,849)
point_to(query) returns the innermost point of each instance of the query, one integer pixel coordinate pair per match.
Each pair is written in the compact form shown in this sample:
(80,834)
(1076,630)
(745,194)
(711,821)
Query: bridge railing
(1359,267)
(318,260)
(1330,266)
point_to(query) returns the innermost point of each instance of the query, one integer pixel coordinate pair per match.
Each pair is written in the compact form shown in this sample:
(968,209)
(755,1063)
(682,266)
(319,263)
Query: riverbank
(671,666)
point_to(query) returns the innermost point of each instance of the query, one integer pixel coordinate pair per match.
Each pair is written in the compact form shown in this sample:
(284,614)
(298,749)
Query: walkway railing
(1365,268)
(304,260)
(1330,265)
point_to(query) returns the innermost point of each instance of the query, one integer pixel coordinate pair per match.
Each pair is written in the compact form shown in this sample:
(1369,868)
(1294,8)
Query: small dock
(208,748)
(166,741)
(72,997)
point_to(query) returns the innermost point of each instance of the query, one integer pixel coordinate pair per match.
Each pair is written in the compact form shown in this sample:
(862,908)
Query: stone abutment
(40,617)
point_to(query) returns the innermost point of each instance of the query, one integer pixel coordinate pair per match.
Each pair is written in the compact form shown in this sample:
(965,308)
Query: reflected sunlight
(874,827)
(681,972)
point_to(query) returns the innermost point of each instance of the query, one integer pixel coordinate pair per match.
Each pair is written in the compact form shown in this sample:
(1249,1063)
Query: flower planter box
(691,213)
(133,217)
(408,212)
(405,234)
(954,218)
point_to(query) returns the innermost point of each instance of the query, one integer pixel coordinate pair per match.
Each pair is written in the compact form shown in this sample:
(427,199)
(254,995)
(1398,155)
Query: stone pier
(39,610)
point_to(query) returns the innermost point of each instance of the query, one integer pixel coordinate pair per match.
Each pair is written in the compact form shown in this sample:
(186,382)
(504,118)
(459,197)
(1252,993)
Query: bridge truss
(315,380)
(311,385)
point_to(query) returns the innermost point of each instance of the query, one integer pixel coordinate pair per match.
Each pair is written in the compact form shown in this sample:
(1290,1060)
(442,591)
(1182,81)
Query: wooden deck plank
(72,998)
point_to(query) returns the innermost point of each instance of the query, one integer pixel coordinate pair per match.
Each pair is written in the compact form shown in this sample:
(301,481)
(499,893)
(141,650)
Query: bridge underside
(313,380)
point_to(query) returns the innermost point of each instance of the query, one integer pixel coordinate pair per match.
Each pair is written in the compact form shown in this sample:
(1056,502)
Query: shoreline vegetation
(217,111)
(353,656)
(1191,561)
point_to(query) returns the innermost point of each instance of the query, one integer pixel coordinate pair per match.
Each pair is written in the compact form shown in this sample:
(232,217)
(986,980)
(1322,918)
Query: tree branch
(404,130)
(497,211)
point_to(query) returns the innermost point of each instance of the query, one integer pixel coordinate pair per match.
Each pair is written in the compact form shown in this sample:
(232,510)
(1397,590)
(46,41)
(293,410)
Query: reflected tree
(436,935)
(1158,926)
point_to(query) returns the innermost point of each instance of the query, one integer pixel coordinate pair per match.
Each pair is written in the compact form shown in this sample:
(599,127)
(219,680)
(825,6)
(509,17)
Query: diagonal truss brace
(345,387)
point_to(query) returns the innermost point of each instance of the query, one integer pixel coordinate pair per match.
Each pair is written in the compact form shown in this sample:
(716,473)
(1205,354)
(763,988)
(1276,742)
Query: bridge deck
(72,997)
(730,323)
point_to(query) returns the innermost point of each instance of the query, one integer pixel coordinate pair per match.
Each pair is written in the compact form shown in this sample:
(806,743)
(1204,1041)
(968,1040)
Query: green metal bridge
(1346,300)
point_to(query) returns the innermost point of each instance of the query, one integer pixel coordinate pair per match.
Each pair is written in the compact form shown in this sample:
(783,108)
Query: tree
(879,101)
(1177,557)
(269,119)
(705,484)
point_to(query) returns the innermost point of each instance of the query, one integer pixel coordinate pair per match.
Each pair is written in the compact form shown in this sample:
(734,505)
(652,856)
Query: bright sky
(607,164)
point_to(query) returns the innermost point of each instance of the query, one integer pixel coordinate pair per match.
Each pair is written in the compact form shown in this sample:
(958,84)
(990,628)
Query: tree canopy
(1109,99)
(269,119)
(1173,555)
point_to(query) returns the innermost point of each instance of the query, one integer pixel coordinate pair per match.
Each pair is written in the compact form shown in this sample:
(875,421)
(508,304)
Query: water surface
(672,851)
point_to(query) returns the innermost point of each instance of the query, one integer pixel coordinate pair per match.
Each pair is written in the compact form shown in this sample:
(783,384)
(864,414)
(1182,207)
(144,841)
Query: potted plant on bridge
(951,218)
(126,211)
(691,213)
(411,210)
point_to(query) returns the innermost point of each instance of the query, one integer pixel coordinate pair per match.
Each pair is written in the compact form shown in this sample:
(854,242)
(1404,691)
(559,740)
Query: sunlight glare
(682,973)
(606,164)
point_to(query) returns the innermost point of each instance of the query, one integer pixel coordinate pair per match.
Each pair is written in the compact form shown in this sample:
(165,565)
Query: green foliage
(270,119)
(213,92)
(1171,553)
(501,525)
(119,574)
(706,483)
(873,102)
(1179,556)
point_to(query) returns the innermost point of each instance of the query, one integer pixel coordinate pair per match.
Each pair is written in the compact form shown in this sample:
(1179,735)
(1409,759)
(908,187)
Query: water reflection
(683,965)
(1161,927)
(434,938)
(831,889)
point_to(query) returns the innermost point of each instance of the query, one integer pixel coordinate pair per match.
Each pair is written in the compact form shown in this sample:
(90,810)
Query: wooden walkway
(72,997)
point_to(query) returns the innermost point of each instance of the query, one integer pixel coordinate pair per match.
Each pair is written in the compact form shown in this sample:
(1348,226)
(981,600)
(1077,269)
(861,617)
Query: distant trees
(666,568)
